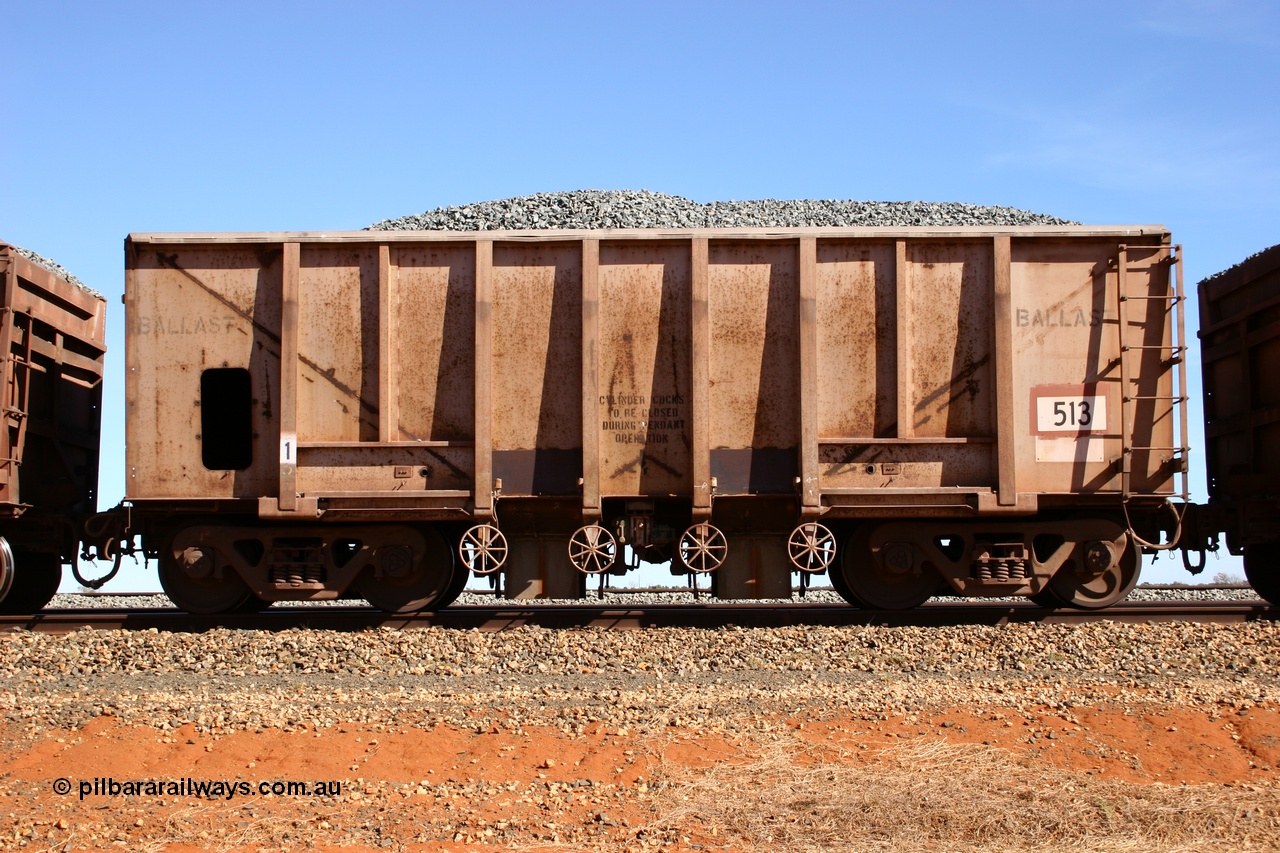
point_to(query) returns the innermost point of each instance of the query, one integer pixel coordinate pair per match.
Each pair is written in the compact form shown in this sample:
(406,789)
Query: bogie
(217,568)
(1087,562)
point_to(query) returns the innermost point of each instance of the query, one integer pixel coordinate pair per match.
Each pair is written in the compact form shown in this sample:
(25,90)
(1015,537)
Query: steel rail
(750,615)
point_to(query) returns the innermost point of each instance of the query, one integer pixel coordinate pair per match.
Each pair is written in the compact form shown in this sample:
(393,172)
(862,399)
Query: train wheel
(34,582)
(1100,591)
(457,583)
(252,604)
(871,584)
(835,575)
(190,578)
(1262,569)
(406,585)
(6,570)
(1047,599)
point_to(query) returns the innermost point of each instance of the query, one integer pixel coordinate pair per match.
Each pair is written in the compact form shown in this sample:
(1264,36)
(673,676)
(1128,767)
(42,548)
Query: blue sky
(290,116)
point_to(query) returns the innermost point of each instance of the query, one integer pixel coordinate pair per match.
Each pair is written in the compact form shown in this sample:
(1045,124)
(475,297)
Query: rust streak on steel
(171,261)
(709,616)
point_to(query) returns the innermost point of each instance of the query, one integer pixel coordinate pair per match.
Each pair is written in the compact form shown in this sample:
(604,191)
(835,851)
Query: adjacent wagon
(1240,354)
(52,336)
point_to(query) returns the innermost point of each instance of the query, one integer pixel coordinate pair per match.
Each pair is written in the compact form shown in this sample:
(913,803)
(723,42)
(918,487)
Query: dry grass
(953,798)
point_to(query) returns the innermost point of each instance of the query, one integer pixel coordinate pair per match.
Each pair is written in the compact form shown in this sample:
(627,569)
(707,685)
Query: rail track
(613,617)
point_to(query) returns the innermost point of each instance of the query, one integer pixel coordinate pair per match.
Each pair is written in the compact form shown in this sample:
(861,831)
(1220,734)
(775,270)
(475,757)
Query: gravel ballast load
(1267,251)
(55,268)
(591,209)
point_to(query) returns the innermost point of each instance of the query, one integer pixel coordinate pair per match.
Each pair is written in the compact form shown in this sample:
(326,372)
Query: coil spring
(1009,565)
(295,566)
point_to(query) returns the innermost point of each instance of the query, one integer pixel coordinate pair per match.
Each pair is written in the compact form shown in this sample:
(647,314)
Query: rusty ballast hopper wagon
(52,334)
(989,411)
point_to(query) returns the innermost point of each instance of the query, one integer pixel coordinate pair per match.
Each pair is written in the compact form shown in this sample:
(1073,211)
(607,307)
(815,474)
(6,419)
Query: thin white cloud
(1143,154)
(1256,23)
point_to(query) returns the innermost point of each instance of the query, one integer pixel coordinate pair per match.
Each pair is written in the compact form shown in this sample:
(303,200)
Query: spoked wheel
(33,579)
(1262,569)
(190,576)
(812,548)
(483,549)
(412,577)
(703,548)
(1100,591)
(890,582)
(592,549)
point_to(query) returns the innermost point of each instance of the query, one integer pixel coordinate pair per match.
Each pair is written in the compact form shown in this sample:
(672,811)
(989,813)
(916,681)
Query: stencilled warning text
(637,419)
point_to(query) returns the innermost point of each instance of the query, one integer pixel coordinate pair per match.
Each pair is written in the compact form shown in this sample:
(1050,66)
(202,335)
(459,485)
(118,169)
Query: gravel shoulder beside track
(820,595)
(457,740)
(225,680)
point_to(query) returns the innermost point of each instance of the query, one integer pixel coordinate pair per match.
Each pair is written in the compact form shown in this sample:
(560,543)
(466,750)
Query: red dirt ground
(1171,746)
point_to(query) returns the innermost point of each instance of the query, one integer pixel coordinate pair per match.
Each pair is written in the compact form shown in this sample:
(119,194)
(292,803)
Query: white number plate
(1067,414)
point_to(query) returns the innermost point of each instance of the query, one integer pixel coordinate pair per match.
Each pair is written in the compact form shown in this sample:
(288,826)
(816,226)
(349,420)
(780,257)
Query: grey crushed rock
(1205,648)
(730,678)
(1233,268)
(55,268)
(817,595)
(592,209)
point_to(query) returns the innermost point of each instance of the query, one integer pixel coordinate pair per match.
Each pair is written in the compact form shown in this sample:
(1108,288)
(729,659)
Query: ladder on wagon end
(1173,300)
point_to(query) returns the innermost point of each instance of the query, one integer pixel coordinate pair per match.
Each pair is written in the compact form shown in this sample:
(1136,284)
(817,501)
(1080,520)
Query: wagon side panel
(753,305)
(857,340)
(202,352)
(644,399)
(432,373)
(536,384)
(1069,406)
(339,315)
(906,366)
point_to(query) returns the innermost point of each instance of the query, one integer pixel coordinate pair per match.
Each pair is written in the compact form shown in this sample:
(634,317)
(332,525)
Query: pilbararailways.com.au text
(207,789)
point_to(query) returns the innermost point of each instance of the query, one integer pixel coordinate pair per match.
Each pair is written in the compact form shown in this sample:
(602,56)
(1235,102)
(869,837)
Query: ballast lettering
(1058,317)
(182,324)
